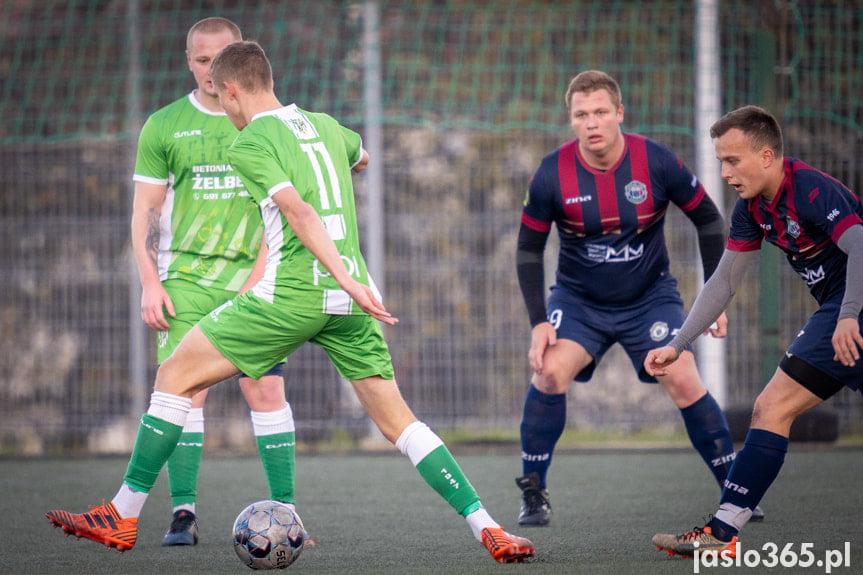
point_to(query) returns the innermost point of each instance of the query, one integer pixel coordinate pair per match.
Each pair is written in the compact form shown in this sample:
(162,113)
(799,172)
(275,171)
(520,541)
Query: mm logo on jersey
(812,277)
(602,253)
(635,192)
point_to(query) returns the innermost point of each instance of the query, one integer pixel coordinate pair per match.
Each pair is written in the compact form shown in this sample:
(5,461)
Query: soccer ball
(268,535)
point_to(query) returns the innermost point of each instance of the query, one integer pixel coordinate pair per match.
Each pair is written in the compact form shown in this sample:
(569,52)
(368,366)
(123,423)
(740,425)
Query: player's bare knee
(771,414)
(682,388)
(552,381)
(169,379)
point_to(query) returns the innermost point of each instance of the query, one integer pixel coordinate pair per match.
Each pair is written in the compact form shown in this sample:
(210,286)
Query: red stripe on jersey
(568,176)
(786,188)
(641,172)
(844,224)
(609,211)
(534,223)
(802,241)
(756,213)
(693,203)
(742,246)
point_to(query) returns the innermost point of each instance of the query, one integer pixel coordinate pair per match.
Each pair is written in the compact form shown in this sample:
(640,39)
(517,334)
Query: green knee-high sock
(156,440)
(183,467)
(277,455)
(443,474)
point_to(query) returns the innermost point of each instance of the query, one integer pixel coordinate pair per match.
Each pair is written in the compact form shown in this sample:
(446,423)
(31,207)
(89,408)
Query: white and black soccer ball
(268,535)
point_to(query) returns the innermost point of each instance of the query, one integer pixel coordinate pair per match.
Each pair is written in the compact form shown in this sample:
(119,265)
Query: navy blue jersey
(805,220)
(612,243)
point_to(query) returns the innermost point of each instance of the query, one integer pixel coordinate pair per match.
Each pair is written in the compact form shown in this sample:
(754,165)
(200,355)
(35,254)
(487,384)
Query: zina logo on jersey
(578,199)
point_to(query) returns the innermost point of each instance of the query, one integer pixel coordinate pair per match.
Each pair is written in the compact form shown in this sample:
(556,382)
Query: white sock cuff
(171,408)
(417,441)
(733,515)
(194,422)
(272,422)
(191,507)
(479,520)
(129,502)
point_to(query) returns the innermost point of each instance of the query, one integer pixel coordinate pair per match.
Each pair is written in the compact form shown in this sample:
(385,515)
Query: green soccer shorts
(191,303)
(254,334)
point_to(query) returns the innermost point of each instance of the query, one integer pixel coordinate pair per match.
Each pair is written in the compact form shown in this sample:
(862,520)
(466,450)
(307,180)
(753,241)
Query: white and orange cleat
(700,539)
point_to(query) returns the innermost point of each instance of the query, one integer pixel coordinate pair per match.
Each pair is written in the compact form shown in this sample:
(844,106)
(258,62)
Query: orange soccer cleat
(505,547)
(101,524)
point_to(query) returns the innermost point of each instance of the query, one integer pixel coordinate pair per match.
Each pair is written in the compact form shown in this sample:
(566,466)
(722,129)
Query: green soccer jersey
(210,230)
(314,154)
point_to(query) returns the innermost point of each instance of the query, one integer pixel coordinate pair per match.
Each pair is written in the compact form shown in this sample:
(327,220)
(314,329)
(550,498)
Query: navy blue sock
(541,426)
(709,434)
(721,530)
(755,468)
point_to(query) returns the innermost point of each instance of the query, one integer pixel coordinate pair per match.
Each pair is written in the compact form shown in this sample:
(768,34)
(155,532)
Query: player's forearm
(711,235)
(531,272)
(146,212)
(851,242)
(714,297)
(145,244)
(306,224)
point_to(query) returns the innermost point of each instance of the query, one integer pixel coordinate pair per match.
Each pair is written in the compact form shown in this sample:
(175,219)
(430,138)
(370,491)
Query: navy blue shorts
(639,326)
(814,346)
(275,370)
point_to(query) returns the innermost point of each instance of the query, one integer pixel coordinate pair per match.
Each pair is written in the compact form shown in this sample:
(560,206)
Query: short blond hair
(213,26)
(591,81)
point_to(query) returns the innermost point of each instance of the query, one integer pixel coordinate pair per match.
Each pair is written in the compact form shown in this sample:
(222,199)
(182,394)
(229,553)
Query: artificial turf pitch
(373,514)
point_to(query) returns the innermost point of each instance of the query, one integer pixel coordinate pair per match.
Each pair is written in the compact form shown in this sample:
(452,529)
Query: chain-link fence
(471,100)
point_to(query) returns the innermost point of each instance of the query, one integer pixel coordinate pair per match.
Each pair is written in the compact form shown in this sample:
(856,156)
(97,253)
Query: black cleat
(535,505)
(183,531)
(757,515)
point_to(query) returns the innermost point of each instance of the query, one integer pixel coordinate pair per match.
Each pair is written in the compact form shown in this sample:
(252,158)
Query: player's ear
(767,156)
(230,88)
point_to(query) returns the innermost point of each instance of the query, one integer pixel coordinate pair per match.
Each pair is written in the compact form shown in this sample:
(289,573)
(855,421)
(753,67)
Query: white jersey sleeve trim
(279,187)
(360,157)
(149,180)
